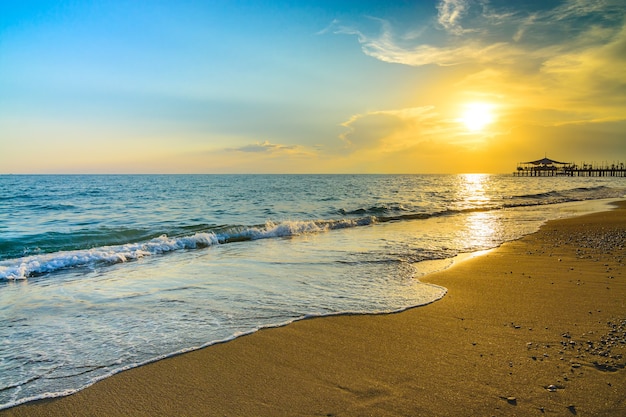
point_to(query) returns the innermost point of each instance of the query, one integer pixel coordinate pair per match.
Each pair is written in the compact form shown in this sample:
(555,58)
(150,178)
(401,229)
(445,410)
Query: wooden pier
(550,168)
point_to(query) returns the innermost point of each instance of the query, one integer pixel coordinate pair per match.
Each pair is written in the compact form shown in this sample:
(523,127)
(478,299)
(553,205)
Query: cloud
(259,157)
(395,131)
(469,52)
(265,147)
(368,130)
(450,14)
(592,74)
(486,35)
(582,8)
(570,56)
(379,129)
(554,70)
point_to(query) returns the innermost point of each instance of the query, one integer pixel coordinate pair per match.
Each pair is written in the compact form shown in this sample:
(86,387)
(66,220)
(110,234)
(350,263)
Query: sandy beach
(536,327)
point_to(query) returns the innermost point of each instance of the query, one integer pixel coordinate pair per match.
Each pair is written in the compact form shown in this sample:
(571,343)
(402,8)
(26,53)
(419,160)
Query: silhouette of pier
(546,167)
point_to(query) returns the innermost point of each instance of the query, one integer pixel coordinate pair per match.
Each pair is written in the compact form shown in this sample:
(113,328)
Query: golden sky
(309,87)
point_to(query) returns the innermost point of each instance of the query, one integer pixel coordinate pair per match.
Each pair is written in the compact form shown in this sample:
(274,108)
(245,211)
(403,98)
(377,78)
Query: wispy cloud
(559,56)
(451,12)
(264,147)
(484,35)
(582,8)
(265,156)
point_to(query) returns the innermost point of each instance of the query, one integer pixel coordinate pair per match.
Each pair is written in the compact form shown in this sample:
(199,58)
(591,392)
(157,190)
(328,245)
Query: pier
(546,167)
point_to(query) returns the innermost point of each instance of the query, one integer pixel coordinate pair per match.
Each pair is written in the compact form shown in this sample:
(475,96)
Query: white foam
(293,228)
(441,292)
(22,268)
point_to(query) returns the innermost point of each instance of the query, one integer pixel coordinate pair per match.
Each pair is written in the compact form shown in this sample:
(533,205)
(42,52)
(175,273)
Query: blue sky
(328,86)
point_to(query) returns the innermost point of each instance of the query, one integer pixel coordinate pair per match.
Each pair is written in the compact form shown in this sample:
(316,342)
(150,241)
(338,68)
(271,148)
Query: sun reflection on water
(473,191)
(481,226)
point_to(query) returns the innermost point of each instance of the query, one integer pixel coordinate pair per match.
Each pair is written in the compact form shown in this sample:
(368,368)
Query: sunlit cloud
(266,147)
(395,131)
(555,74)
(568,57)
(390,129)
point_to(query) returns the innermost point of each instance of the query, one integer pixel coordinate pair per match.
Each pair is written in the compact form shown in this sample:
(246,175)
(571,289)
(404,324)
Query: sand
(536,327)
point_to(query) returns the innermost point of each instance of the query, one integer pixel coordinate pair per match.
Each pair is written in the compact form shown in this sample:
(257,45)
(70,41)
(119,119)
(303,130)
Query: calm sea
(104,273)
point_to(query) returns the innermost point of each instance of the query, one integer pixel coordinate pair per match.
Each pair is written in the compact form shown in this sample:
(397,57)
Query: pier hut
(547,167)
(544,167)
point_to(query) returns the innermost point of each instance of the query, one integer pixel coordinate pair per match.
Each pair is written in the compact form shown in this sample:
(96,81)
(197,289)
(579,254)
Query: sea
(103,273)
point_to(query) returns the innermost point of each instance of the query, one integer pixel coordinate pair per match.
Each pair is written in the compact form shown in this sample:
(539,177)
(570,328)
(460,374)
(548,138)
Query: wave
(41,264)
(374,210)
(573,194)
(36,265)
(136,244)
(544,195)
(49,242)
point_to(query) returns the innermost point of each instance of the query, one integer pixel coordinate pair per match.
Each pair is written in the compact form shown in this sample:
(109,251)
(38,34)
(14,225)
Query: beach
(534,327)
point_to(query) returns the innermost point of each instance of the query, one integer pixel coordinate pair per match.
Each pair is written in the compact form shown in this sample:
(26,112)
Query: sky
(191,86)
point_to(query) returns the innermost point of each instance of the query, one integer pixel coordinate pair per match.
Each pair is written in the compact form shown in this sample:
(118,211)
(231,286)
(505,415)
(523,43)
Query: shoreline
(499,342)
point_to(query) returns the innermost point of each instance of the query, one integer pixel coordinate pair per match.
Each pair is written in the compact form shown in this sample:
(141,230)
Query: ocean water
(103,273)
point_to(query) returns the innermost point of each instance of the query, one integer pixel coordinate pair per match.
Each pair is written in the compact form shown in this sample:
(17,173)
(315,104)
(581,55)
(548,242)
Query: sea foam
(34,265)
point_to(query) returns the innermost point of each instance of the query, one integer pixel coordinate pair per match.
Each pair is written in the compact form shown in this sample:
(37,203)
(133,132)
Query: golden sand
(536,327)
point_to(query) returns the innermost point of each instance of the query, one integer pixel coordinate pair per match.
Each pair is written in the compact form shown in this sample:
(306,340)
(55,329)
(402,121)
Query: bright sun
(477,115)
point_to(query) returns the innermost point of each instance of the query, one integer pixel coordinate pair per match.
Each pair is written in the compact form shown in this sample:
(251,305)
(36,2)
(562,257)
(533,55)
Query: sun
(477,116)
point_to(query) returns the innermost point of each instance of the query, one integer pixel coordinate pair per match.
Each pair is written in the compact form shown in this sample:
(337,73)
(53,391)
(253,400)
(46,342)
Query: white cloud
(492,36)
(450,14)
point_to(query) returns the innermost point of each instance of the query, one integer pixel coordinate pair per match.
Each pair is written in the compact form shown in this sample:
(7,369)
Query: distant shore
(535,327)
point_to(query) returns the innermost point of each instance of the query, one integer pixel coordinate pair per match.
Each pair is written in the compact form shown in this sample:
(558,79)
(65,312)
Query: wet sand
(535,327)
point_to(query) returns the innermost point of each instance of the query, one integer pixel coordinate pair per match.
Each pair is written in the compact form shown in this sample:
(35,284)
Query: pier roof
(546,161)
